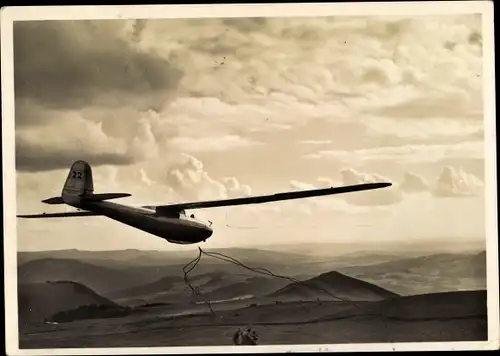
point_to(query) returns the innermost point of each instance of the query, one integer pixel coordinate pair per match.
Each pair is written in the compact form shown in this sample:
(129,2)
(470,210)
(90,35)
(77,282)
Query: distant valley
(63,293)
(133,274)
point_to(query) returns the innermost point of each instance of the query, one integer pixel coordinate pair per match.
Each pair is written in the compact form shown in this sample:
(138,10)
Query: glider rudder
(79,187)
(78,183)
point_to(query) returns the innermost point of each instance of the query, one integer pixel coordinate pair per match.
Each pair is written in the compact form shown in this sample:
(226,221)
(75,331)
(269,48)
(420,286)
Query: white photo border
(30,13)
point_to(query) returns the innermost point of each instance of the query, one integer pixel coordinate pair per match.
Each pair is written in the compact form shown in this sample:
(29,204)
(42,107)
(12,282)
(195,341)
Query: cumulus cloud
(451,182)
(316,205)
(297,185)
(72,63)
(188,178)
(235,189)
(327,182)
(78,137)
(350,176)
(370,54)
(385,196)
(383,66)
(86,90)
(143,144)
(249,76)
(455,182)
(413,183)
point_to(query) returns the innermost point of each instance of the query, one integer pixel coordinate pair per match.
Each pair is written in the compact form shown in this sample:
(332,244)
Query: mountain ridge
(39,301)
(438,272)
(334,285)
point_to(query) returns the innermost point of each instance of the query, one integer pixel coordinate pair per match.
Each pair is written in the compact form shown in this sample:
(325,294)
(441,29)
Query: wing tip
(376,184)
(26,216)
(384,184)
(365,186)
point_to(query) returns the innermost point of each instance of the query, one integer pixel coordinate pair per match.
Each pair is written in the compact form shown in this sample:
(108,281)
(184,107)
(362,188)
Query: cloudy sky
(181,110)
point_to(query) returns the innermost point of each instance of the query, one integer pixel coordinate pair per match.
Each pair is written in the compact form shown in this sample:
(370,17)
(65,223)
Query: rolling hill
(432,306)
(257,286)
(39,301)
(442,317)
(100,279)
(133,280)
(162,285)
(332,286)
(426,274)
(217,285)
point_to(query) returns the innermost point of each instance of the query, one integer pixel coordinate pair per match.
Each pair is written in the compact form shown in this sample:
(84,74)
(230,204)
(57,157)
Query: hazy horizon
(181,110)
(440,246)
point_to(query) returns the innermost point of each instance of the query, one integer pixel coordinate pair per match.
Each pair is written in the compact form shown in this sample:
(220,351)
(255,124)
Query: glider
(169,222)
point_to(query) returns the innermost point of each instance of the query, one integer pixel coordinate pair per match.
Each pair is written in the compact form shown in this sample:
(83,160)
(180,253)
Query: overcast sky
(182,110)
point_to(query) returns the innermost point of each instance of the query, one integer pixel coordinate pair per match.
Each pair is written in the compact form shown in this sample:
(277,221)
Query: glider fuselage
(179,230)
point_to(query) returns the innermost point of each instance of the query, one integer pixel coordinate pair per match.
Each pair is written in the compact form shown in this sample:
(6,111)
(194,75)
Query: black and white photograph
(249,178)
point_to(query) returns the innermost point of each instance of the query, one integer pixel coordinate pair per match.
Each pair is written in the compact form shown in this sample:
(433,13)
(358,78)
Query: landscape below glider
(169,222)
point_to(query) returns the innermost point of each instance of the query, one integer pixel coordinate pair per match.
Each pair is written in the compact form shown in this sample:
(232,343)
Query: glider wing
(268,198)
(59,215)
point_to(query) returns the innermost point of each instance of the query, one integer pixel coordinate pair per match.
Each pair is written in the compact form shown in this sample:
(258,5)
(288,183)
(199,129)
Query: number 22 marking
(77,175)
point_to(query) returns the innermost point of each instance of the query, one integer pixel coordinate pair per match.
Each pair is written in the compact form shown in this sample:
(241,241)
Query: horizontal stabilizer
(54,200)
(59,215)
(105,196)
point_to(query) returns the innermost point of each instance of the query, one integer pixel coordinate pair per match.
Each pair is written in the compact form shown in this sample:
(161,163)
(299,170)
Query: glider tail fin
(78,190)
(79,183)
(79,187)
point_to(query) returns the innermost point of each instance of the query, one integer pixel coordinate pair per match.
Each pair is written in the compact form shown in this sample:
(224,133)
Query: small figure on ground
(237,337)
(251,337)
(246,337)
